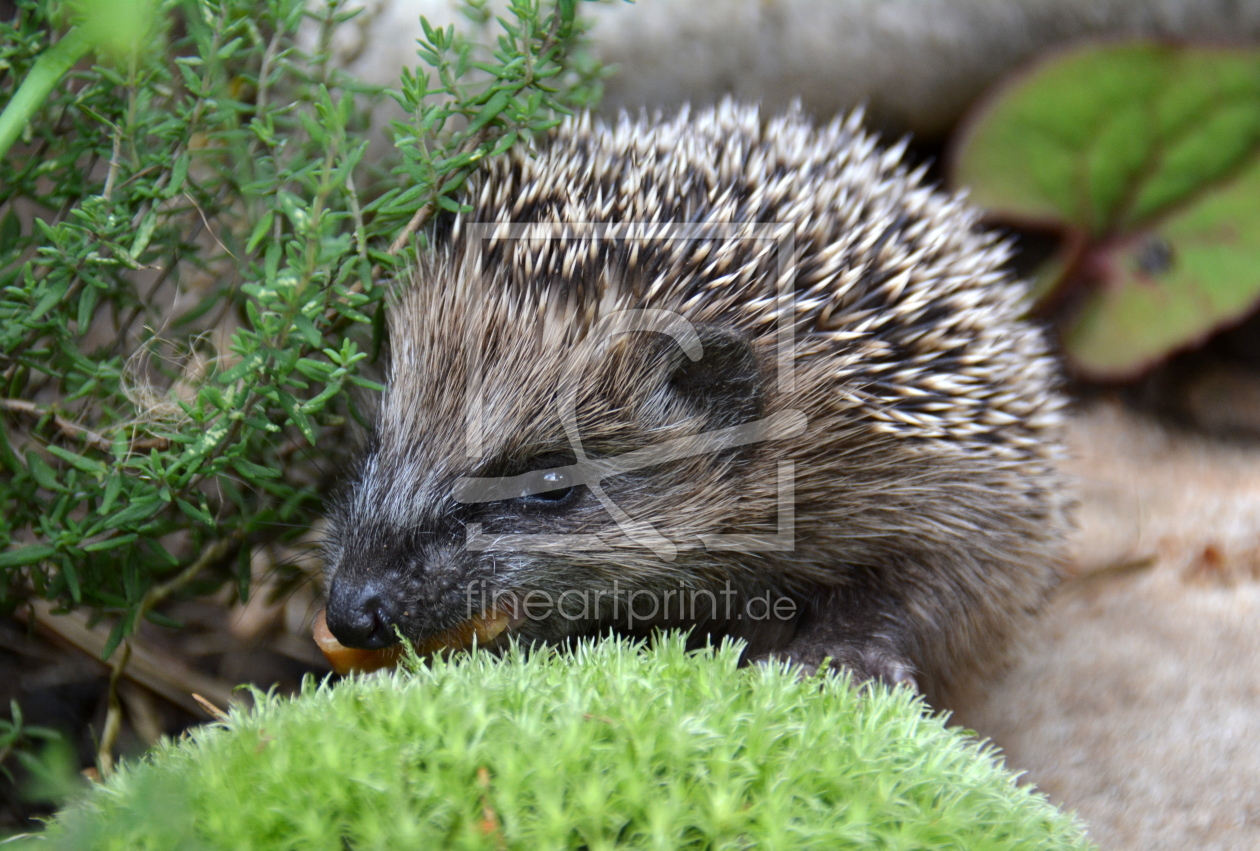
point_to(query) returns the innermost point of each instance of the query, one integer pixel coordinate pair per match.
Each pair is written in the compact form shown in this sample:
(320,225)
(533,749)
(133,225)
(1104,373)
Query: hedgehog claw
(866,662)
(895,673)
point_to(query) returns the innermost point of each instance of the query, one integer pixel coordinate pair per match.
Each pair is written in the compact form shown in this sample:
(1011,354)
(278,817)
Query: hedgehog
(751,377)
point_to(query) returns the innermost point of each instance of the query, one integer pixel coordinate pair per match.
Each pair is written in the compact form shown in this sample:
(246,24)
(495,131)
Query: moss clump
(610,746)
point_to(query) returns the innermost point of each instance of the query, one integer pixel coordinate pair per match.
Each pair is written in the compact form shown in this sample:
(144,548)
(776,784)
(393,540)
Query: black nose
(360,613)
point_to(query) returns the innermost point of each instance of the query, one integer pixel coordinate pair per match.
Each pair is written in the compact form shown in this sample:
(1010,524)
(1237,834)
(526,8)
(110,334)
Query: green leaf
(506,142)
(242,369)
(1106,136)
(316,403)
(72,579)
(118,28)
(1172,284)
(367,383)
(315,370)
(40,80)
(52,295)
(489,112)
(7,458)
(261,424)
(298,416)
(261,229)
(143,234)
(115,638)
(43,474)
(295,210)
(10,230)
(163,620)
(250,470)
(450,205)
(87,307)
(87,465)
(111,543)
(194,512)
(26,555)
(227,50)
(165,554)
(112,486)
(140,509)
(1147,157)
(308,331)
(179,171)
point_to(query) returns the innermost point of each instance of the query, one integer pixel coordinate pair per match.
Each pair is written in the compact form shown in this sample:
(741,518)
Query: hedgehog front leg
(860,634)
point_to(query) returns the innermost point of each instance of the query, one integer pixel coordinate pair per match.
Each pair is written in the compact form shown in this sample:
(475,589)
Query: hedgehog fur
(819,275)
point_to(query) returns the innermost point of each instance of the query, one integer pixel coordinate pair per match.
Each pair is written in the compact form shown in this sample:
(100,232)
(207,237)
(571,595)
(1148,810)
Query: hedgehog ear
(725,383)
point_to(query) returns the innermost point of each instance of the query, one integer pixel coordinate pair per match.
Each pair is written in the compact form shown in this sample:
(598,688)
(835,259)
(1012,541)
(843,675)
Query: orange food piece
(482,627)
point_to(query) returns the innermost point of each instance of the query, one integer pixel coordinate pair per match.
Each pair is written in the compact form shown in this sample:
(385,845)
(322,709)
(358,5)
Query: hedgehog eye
(550,487)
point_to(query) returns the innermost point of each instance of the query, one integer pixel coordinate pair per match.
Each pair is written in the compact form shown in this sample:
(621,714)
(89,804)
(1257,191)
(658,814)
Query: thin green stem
(51,66)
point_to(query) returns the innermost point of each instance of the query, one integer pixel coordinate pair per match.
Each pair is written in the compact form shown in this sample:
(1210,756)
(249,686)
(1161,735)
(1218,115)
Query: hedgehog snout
(362,612)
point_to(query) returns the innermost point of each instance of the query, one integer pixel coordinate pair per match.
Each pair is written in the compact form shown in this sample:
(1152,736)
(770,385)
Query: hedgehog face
(593,463)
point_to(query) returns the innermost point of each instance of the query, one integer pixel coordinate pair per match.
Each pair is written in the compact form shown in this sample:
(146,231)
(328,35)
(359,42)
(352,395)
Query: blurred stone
(1136,700)
(916,64)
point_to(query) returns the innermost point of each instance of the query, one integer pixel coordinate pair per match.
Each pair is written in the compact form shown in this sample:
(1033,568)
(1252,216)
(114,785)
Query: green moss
(611,746)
